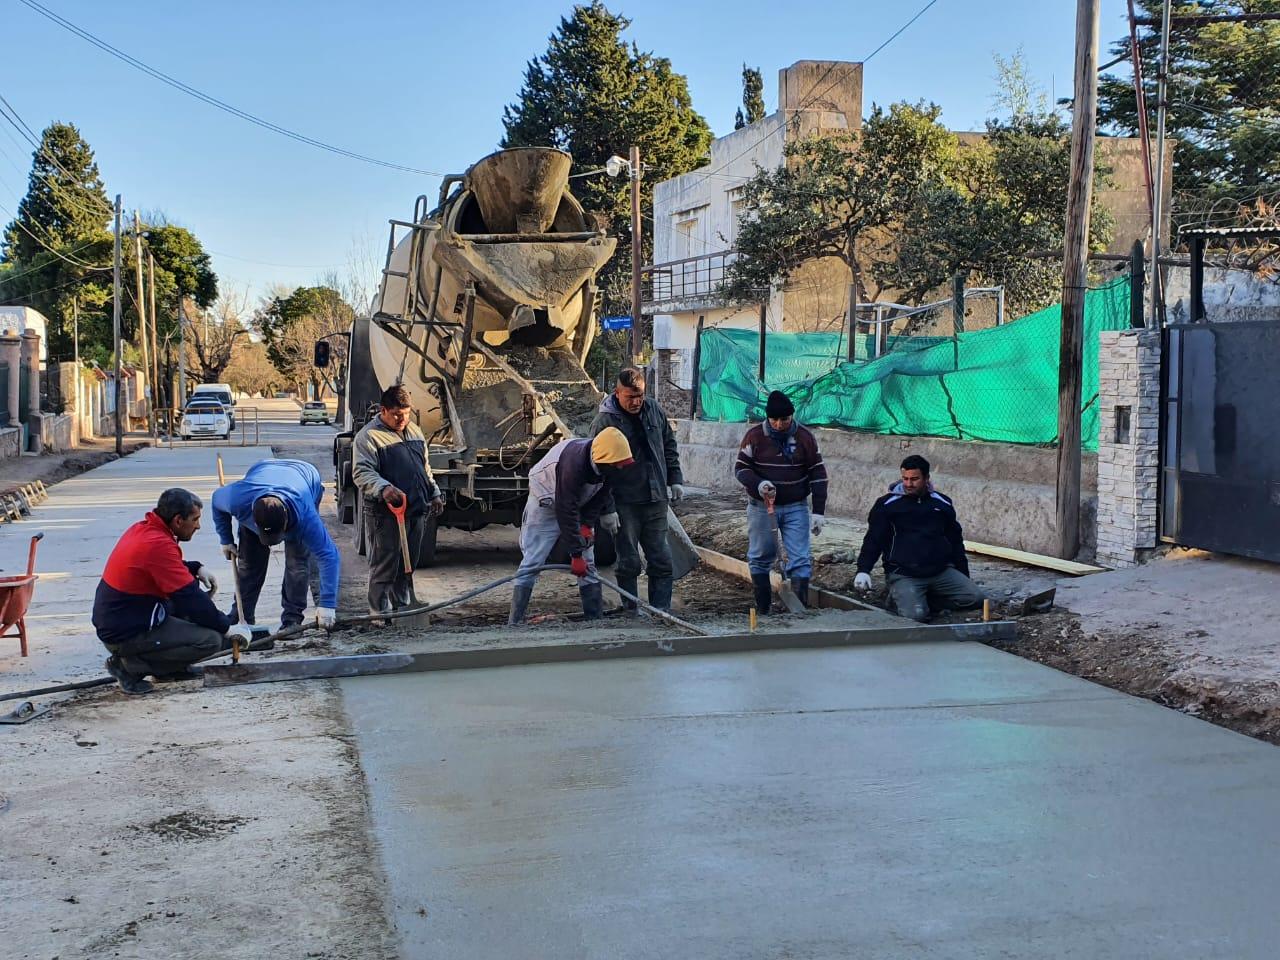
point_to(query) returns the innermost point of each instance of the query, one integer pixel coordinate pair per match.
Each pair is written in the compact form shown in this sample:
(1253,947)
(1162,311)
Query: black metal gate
(1221,469)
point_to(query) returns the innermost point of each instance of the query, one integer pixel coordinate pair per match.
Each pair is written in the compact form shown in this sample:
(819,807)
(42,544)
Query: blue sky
(421,85)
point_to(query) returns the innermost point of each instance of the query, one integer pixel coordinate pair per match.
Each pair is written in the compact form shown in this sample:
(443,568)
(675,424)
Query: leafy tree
(250,370)
(291,324)
(51,248)
(998,201)
(752,98)
(595,96)
(833,190)
(1224,109)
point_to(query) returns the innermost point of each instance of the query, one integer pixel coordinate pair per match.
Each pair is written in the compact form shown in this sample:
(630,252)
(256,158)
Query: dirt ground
(52,467)
(1182,668)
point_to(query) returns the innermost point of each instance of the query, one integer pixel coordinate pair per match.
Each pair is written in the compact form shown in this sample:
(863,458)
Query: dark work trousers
(169,648)
(643,526)
(390,588)
(300,573)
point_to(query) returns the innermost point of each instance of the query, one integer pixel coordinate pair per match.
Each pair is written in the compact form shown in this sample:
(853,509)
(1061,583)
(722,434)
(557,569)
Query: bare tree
(212,335)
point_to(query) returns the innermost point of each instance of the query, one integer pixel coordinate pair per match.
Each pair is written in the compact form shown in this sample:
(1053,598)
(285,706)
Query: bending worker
(914,527)
(568,493)
(278,501)
(640,495)
(779,460)
(150,610)
(390,467)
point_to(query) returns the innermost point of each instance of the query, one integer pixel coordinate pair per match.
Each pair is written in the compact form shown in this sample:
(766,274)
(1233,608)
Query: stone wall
(56,432)
(1128,445)
(10,442)
(1004,492)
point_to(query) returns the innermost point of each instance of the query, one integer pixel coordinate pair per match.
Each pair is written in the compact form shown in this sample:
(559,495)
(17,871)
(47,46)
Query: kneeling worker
(390,467)
(150,609)
(278,501)
(914,527)
(568,493)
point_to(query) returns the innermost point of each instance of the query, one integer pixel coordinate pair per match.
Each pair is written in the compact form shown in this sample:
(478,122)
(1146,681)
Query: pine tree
(594,96)
(752,95)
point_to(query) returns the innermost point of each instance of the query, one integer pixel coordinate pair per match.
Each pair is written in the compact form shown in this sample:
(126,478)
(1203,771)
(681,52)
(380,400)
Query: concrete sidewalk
(81,521)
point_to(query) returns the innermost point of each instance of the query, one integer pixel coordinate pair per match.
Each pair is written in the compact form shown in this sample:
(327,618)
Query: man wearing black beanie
(778,460)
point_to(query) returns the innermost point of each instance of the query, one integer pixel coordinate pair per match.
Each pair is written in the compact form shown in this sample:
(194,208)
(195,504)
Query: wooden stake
(751,618)
(1075,276)
(986,611)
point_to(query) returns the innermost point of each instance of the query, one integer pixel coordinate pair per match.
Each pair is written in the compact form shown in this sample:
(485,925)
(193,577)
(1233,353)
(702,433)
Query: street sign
(616,323)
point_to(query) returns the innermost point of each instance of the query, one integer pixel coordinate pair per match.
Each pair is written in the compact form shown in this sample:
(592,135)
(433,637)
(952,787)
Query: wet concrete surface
(933,800)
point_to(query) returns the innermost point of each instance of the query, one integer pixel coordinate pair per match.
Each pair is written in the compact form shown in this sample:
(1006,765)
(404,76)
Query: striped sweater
(794,466)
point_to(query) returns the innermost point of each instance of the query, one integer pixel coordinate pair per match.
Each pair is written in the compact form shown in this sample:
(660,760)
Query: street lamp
(614,167)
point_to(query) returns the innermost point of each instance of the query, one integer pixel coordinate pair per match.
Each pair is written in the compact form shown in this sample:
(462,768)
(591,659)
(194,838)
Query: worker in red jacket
(153,610)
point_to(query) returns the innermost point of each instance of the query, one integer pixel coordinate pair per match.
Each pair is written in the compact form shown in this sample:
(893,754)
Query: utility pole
(155,346)
(1157,199)
(115,320)
(1075,277)
(636,257)
(182,356)
(75,347)
(139,302)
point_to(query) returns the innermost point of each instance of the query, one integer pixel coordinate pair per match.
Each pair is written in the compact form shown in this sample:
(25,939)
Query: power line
(76,263)
(897,33)
(211,100)
(15,120)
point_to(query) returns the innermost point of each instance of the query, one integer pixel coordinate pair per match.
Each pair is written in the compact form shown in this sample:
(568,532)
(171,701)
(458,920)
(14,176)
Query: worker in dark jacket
(779,460)
(151,609)
(569,490)
(914,527)
(390,466)
(641,495)
(278,501)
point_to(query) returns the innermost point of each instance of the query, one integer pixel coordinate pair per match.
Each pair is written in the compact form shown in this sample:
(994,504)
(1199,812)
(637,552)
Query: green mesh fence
(997,384)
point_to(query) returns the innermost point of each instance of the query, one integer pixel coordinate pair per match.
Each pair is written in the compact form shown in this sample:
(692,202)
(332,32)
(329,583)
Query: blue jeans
(793,521)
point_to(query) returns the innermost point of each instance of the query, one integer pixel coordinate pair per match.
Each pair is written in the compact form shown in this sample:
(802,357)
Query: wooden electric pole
(155,346)
(637,338)
(115,321)
(140,302)
(1075,277)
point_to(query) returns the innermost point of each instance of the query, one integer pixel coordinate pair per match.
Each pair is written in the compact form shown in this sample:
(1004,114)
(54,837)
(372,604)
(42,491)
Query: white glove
(676,491)
(862,581)
(207,579)
(817,521)
(326,617)
(766,489)
(242,632)
(609,521)
(229,551)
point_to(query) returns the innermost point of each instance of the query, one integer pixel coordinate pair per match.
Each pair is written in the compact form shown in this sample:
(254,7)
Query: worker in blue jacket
(278,501)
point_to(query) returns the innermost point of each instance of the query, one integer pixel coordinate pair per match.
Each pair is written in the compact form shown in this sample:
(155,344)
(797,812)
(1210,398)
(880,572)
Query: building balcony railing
(691,281)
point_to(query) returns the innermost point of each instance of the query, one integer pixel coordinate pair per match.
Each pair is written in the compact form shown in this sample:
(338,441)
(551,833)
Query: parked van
(222,393)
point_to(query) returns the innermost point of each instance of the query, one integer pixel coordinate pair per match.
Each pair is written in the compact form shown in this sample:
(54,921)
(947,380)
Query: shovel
(398,513)
(785,593)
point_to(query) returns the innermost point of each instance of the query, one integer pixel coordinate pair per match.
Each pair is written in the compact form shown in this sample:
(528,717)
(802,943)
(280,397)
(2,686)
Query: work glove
(392,495)
(326,617)
(241,632)
(817,522)
(610,522)
(207,579)
(437,506)
(587,533)
(229,551)
(766,490)
(862,581)
(578,565)
(676,491)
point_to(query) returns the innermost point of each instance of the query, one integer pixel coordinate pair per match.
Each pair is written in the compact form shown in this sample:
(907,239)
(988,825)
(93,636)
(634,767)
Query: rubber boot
(800,587)
(131,683)
(592,595)
(632,586)
(520,597)
(764,592)
(660,594)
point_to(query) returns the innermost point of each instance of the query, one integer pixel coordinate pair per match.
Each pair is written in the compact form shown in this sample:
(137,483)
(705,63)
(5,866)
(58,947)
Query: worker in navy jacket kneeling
(153,610)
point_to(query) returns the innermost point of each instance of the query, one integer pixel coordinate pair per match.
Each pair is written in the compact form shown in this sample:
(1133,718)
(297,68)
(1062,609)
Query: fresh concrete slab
(923,801)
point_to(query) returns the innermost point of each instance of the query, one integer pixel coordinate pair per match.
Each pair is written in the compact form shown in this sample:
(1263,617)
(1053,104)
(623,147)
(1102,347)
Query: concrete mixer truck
(485,313)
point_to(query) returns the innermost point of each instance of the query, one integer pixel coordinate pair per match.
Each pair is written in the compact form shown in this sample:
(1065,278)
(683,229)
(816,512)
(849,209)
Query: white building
(696,219)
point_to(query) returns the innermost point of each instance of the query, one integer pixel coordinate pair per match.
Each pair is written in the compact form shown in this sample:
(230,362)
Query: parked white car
(314,411)
(204,418)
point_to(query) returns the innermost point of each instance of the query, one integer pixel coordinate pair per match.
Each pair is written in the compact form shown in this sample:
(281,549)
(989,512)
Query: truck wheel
(427,552)
(362,544)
